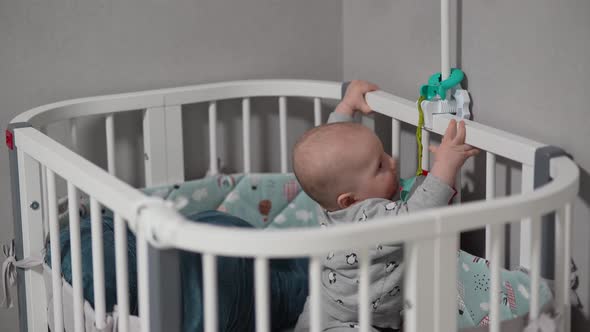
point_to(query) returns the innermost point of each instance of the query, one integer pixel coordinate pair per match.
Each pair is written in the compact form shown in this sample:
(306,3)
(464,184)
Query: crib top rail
(167,228)
(172,230)
(499,142)
(46,114)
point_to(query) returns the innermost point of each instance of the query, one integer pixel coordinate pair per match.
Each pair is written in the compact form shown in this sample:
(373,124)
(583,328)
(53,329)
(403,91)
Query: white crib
(430,237)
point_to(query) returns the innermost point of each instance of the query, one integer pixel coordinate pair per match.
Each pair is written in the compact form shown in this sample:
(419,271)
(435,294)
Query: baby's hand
(354,98)
(450,155)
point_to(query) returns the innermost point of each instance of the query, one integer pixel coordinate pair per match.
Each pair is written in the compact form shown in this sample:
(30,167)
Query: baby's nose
(392,162)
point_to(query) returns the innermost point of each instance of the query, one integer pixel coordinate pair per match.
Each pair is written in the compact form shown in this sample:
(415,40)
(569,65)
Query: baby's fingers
(433,148)
(365,108)
(461,131)
(471,153)
(451,131)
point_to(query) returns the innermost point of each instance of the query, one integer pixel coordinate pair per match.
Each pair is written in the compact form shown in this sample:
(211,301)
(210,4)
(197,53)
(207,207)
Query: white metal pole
(445,39)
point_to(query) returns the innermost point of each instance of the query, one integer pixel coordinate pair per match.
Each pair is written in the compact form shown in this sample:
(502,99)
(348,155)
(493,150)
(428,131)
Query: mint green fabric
(473,288)
(277,201)
(263,200)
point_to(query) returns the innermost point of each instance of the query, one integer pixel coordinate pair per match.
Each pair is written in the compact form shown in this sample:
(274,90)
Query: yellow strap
(419,134)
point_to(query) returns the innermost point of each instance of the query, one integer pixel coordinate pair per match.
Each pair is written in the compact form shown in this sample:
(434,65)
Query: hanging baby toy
(440,97)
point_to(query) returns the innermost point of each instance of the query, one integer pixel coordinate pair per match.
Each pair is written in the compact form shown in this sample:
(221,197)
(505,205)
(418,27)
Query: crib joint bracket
(158,220)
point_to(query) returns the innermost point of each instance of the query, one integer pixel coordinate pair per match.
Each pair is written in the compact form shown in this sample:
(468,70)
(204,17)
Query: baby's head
(343,163)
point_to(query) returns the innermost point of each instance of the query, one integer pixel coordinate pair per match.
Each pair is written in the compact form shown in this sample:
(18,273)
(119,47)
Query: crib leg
(15,174)
(164,286)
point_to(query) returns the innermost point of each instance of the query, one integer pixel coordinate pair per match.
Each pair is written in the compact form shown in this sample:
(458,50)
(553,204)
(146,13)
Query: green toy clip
(436,87)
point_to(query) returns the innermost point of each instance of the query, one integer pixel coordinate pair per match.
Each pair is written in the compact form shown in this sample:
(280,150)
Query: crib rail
(430,237)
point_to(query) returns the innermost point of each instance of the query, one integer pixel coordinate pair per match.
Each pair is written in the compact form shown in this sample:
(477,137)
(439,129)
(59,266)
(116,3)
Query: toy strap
(419,134)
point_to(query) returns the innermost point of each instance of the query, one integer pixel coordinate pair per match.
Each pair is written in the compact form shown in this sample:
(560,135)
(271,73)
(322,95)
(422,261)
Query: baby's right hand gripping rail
(433,97)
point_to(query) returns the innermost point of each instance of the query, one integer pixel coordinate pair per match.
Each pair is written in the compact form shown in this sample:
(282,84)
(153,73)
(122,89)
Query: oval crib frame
(430,236)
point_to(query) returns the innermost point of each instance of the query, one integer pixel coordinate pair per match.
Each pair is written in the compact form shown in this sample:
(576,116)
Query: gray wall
(56,50)
(527,64)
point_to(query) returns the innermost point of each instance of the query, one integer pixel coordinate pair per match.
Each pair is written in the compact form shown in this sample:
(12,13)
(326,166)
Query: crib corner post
(16,213)
(542,176)
(165,307)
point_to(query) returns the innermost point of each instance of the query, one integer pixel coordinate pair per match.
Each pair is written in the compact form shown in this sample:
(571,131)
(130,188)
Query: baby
(343,167)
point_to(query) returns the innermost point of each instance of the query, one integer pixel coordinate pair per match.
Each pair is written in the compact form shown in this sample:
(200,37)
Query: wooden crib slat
(213,167)
(122,273)
(419,286)
(110,134)
(73,134)
(58,322)
(174,144)
(210,292)
(283,132)
(566,236)
(315,284)
(527,186)
(395,140)
(425,151)
(490,194)
(317,111)
(496,257)
(163,146)
(535,270)
(246,134)
(154,146)
(364,295)
(143,295)
(98,263)
(262,296)
(76,254)
(44,201)
(445,283)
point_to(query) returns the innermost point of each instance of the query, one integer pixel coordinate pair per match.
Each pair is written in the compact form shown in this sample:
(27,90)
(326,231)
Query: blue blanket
(289,283)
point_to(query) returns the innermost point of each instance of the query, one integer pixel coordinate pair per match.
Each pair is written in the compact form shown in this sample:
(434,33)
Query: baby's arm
(436,189)
(432,193)
(354,100)
(448,158)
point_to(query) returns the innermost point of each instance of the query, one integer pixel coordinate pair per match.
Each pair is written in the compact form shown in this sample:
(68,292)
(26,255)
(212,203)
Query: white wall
(527,68)
(62,49)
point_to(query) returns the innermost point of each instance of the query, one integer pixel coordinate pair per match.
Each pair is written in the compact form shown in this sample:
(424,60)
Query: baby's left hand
(354,98)
(451,154)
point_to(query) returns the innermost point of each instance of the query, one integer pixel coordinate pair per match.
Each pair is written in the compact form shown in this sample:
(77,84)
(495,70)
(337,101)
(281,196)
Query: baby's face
(377,176)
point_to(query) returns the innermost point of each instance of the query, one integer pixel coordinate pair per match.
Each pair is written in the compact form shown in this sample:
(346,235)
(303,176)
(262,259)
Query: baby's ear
(345,200)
